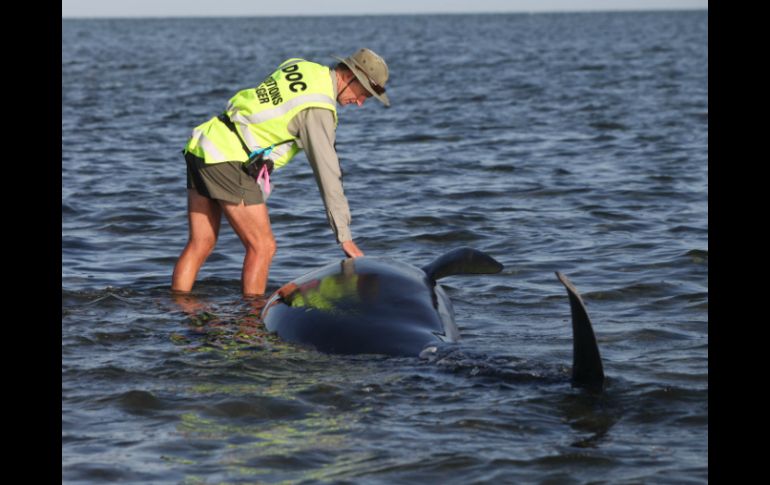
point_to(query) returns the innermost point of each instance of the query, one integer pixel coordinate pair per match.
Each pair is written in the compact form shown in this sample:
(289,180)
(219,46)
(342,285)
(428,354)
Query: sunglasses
(375,87)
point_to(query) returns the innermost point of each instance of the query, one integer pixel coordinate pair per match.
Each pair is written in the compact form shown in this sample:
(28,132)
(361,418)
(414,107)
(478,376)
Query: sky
(228,8)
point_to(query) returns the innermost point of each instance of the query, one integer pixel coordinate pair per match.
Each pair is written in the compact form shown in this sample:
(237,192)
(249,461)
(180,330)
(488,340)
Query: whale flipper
(587,370)
(462,261)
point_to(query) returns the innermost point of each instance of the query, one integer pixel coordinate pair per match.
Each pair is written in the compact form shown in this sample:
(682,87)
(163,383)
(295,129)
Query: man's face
(353,91)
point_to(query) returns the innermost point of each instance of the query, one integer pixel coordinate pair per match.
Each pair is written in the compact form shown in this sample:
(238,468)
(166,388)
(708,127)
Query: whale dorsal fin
(587,370)
(462,261)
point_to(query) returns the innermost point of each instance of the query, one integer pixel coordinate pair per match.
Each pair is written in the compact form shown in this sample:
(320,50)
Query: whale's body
(371,306)
(375,306)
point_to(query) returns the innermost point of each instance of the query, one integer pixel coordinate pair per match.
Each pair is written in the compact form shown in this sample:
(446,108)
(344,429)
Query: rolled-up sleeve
(315,132)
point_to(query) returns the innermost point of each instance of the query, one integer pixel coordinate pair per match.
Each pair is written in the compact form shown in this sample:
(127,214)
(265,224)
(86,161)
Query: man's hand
(351,249)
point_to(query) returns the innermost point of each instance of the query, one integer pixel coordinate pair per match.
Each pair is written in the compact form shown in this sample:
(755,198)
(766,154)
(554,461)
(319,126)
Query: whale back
(360,306)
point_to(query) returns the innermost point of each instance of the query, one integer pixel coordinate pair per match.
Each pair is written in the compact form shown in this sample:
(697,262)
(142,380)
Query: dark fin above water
(587,370)
(462,261)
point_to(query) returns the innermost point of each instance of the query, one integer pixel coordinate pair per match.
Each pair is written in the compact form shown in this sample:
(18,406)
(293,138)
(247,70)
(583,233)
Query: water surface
(555,142)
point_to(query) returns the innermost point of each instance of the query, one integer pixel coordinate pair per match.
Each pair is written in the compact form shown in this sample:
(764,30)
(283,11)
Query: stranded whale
(374,306)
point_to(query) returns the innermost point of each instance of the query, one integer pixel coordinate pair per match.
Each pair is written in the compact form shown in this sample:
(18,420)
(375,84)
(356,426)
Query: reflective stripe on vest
(208,146)
(278,111)
(261,115)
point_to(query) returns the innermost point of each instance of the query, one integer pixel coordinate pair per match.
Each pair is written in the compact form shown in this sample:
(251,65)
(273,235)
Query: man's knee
(270,246)
(203,244)
(265,246)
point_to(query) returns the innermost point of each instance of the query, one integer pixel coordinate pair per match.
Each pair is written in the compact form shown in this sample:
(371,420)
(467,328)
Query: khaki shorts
(226,181)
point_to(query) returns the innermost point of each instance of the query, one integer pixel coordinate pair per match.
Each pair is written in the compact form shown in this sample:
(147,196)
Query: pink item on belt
(264,176)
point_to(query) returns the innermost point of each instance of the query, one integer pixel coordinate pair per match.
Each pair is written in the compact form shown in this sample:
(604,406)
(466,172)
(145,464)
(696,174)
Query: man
(230,159)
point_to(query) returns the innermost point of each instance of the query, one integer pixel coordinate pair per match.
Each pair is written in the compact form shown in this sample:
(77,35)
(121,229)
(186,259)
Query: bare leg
(204,216)
(252,224)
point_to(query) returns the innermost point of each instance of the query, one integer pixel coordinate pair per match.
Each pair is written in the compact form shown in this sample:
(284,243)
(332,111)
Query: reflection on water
(256,450)
(345,289)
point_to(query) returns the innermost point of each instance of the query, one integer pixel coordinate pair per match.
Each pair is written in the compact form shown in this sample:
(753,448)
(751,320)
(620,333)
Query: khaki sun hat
(371,71)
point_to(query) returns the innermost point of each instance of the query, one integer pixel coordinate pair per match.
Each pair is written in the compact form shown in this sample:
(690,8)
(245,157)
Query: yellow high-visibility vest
(261,115)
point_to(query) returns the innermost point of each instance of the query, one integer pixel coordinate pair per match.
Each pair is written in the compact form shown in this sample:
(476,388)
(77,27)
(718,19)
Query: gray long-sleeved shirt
(316,132)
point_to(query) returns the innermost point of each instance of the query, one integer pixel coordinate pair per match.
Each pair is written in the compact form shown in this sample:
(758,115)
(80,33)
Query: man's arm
(315,132)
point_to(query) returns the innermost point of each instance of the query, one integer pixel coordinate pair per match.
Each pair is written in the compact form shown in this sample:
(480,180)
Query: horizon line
(384,14)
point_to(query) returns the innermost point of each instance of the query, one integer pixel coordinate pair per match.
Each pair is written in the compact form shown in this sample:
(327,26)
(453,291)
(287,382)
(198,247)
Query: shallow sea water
(554,142)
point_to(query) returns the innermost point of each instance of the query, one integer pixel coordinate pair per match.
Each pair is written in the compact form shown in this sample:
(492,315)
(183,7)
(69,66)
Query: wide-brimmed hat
(371,71)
